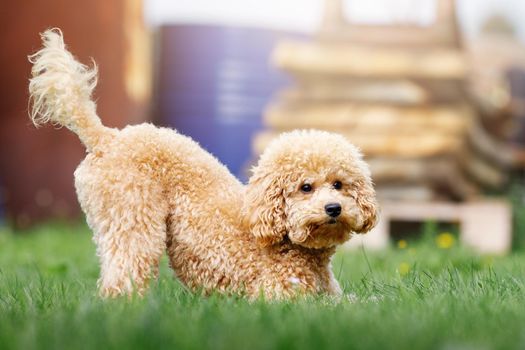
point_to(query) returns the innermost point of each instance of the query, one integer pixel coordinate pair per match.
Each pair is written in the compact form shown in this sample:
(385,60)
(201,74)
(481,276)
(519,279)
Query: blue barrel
(213,85)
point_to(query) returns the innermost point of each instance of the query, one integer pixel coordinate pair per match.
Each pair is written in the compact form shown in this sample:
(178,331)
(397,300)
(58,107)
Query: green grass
(420,297)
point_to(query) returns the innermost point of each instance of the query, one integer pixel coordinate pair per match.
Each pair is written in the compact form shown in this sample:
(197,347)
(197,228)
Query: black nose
(333,209)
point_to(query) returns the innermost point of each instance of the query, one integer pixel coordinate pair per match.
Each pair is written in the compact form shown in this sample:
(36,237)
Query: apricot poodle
(146,190)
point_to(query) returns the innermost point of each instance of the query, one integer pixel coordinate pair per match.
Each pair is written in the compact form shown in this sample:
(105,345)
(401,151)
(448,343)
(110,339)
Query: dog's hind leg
(128,217)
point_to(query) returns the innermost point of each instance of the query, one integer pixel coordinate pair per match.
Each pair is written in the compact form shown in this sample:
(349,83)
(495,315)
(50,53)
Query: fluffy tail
(60,91)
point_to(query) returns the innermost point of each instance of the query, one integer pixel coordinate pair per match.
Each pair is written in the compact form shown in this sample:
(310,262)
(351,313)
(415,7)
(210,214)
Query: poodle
(147,190)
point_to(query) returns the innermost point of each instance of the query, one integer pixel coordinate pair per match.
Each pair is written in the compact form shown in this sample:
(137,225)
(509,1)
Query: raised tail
(60,91)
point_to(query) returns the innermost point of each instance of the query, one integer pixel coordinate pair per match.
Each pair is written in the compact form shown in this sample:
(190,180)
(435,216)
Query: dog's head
(311,186)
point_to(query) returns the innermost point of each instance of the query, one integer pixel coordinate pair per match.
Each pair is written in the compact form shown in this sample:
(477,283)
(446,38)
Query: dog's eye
(337,185)
(306,188)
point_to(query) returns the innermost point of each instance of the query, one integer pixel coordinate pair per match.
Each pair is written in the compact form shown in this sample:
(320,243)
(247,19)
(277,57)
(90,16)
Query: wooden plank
(368,116)
(402,145)
(476,170)
(318,88)
(439,173)
(389,169)
(486,173)
(400,92)
(493,150)
(363,61)
(404,192)
(399,35)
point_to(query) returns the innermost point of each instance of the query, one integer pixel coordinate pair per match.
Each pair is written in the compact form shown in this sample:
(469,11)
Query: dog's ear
(365,198)
(263,212)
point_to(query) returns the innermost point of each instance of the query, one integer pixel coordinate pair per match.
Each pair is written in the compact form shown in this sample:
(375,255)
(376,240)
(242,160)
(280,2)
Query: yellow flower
(402,244)
(403,268)
(445,240)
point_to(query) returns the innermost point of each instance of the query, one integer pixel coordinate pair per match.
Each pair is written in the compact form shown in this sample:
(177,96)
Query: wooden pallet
(485,226)
(363,61)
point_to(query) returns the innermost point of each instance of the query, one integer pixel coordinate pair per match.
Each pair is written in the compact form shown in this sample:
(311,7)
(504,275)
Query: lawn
(427,295)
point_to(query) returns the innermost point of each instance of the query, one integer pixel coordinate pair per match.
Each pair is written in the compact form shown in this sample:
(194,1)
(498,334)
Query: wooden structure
(400,93)
(498,88)
(484,225)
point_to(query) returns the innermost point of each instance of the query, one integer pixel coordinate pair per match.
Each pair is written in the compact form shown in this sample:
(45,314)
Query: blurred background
(432,91)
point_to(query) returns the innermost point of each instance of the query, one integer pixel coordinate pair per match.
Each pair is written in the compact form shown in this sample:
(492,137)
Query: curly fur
(146,190)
